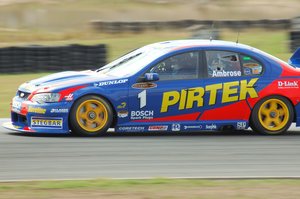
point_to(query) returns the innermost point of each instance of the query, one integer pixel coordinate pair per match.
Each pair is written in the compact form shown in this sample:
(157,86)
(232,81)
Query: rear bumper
(297,119)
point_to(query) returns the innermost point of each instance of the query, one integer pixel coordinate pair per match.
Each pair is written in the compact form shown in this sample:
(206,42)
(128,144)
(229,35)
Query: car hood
(59,81)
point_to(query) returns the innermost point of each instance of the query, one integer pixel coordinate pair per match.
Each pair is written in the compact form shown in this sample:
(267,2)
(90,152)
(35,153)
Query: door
(178,95)
(231,79)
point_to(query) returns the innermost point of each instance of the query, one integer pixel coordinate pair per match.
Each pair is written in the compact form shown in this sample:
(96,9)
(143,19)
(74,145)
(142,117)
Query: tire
(90,116)
(272,115)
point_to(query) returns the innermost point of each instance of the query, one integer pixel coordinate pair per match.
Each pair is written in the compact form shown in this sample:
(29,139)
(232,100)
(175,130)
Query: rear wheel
(90,116)
(272,116)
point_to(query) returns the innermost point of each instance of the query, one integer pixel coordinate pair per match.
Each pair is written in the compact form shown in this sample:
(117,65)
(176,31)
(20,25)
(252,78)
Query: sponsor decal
(16,106)
(42,122)
(175,127)
(59,110)
(247,71)
(122,105)
(144,85)
(17,127)
(224,73)
(131,128)
(253,68)
(158,128)
(111,82)
(193,127)
(251,65)
(69,97)
(194,97)
(256,71)
(288,84)
(122,114)
(149,76)
(141,115)
(211,127)
(241,125)
(38,110)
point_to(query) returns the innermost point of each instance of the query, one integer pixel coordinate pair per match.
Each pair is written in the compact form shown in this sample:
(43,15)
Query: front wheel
(272,116)
(90,116)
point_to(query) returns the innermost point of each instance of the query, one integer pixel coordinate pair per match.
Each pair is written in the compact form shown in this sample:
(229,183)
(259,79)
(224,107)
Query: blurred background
(38,37)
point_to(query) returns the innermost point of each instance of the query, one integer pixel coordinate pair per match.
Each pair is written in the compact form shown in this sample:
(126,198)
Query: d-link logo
(288,84)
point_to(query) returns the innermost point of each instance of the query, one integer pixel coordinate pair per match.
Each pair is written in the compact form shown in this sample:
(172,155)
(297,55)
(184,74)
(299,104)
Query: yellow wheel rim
(273,114)
(91,115)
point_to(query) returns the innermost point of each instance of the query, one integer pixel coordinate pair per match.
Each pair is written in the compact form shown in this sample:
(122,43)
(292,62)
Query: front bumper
(11,126)
(25,129)
(39,118)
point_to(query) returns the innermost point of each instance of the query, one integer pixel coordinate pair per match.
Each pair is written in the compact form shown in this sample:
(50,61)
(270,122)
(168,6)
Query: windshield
(132,62)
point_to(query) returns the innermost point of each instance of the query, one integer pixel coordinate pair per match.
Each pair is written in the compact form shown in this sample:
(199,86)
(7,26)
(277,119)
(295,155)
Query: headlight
(42,98)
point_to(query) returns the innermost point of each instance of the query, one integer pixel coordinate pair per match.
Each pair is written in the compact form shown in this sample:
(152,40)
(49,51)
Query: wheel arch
(274,95)
(115,118)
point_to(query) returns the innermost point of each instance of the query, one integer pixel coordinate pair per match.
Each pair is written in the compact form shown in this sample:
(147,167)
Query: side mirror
(151,77)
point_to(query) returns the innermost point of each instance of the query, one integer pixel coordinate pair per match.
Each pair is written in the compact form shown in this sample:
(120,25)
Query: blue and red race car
(185,85)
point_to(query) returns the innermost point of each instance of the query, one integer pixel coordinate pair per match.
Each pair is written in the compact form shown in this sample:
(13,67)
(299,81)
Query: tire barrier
(294,40)
(51,58)
(294,34)
(117,27)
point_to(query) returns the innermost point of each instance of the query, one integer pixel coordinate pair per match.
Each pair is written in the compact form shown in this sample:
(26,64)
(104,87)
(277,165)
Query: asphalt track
(207,154)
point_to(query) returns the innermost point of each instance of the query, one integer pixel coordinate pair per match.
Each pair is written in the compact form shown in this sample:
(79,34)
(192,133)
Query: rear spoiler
(295,59)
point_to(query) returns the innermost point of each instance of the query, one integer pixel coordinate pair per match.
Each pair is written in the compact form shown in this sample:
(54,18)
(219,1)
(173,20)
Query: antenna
(211,31)
(237,38)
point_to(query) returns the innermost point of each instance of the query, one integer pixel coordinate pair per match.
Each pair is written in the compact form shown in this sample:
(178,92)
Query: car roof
(183,44)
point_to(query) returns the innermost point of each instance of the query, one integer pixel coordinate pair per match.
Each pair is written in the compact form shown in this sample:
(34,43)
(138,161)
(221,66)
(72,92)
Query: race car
(182,85)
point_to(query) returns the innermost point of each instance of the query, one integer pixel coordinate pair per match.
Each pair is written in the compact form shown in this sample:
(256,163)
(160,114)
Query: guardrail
(51,58)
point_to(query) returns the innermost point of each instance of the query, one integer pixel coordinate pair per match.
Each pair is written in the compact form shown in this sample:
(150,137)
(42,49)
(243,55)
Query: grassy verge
(153,188)
(273,42)
(8,87)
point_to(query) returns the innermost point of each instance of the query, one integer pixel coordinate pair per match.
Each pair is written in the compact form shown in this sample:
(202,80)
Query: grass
(274,42)
(152,188)
(9,86)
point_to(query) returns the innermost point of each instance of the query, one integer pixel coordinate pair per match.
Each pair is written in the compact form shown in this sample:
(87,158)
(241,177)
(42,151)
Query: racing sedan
(183,85)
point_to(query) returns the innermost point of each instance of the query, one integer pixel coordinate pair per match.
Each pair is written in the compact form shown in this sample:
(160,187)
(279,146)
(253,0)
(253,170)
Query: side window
(251,66)
(223,64)
(181,66)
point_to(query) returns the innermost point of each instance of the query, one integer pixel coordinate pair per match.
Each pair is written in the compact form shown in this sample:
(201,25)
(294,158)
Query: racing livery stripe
(63,93)
(236,111)
(184,117)
(273,89)
(288,71)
